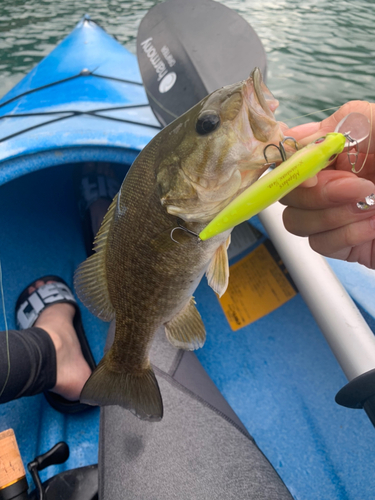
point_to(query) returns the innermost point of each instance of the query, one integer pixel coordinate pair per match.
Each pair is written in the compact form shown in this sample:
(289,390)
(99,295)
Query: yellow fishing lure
(304,164)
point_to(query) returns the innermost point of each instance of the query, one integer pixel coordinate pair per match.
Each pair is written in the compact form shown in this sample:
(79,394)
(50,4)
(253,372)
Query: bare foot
(72,368)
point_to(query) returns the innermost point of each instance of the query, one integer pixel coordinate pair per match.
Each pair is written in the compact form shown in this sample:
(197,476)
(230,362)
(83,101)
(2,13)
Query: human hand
(324,208)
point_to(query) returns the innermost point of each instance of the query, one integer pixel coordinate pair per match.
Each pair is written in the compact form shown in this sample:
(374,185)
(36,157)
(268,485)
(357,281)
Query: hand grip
(56,455)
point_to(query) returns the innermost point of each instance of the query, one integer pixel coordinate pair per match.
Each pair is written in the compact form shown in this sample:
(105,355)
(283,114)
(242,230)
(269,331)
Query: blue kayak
(85,102)
(58,132)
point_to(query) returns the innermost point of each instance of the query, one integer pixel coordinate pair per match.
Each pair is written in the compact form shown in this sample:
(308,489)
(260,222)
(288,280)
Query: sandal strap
(45,296)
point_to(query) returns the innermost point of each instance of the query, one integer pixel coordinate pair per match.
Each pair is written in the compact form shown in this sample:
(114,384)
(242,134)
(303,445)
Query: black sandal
(93,181)
(28,308)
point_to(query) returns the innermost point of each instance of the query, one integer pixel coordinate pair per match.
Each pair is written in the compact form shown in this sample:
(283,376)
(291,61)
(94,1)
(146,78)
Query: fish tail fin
(137,392)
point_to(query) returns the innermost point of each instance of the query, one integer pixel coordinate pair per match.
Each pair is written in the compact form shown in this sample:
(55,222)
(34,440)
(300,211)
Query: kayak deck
(278,373)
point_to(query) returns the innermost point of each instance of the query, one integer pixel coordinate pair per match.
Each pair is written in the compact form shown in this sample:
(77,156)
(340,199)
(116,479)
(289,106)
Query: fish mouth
(257,80)
(269,104)
(260,108)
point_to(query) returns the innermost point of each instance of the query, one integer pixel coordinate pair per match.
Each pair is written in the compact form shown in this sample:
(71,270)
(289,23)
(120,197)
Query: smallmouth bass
(138,275)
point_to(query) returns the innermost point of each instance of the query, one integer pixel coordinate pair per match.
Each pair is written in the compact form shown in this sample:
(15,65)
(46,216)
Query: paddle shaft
(343,326)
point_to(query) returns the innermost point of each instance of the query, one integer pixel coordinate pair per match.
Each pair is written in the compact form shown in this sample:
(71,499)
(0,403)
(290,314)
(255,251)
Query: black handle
(56,455)
(360,393)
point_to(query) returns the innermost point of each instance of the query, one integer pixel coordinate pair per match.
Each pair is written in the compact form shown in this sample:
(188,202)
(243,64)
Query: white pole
(347,333)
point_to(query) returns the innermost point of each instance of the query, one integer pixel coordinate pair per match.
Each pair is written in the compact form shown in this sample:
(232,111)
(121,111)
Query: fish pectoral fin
(186,330)
(218,271)
(137,392)
(227,243)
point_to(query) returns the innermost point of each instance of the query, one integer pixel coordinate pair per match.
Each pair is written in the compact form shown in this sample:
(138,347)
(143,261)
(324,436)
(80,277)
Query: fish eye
(207,122)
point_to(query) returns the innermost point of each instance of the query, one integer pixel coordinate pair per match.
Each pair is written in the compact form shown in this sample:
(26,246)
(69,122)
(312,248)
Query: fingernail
(313,181)
(347,189)
(372,222)
(366,182)
(366,204)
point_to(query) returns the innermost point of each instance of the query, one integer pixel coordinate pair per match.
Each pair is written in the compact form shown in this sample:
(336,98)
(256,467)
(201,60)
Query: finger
(313,181)
(311,131)
(308,222)
(333,188)
(333,120)
(302,131)
(363,254)
(364,165)
(331,243)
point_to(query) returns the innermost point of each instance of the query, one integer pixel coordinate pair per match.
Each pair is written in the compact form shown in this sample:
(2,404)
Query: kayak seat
(200,449)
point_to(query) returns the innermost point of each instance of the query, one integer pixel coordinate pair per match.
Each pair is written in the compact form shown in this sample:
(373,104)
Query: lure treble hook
(281,150)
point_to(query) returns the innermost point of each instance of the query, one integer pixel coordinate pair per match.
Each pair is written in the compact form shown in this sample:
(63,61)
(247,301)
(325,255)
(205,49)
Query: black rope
(41,113)
(75,113)
(38,88)
(133,122)
(126,106)
(84,72)
(33,127)
(117,79)
(70,112)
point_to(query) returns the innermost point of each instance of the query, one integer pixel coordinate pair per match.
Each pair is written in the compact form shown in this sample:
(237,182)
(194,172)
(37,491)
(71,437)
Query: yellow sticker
(257,286)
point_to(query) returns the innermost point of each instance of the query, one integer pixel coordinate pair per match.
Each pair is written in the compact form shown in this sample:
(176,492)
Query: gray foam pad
(199,451)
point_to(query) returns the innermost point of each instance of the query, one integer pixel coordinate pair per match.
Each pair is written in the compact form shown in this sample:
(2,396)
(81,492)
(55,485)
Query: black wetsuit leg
(27,363)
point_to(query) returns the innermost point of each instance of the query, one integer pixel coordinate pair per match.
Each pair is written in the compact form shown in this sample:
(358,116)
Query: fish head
(216,150)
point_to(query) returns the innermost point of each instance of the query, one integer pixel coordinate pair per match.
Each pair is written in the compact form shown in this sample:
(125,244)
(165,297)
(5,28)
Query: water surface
(320,53)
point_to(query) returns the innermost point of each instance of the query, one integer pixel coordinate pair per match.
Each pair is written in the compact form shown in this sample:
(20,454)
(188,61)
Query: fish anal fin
(186,330)
(218,270)
(90,279)
(137,392)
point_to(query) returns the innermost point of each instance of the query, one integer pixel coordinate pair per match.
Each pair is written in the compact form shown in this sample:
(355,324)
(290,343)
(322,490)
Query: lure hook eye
(320,140)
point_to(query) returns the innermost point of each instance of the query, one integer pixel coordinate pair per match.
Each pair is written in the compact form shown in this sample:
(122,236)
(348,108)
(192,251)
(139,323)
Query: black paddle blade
(188,48)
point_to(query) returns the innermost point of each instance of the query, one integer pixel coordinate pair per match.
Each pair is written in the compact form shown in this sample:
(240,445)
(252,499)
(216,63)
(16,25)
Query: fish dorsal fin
(218,270)
(186,330)
(90,279)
